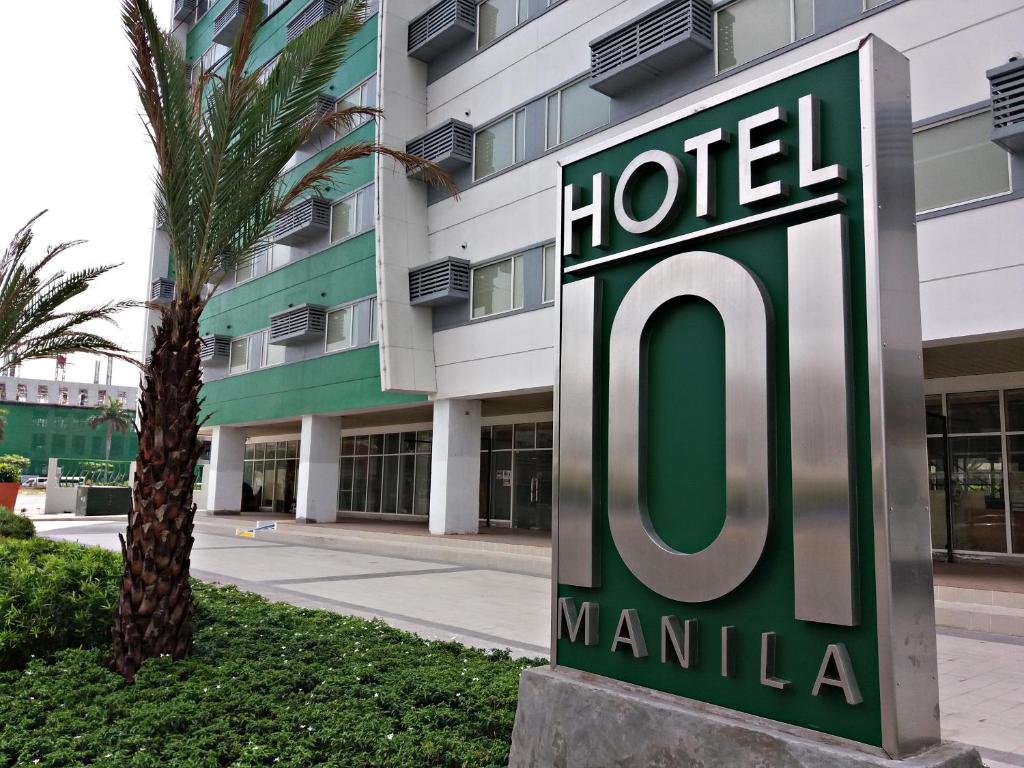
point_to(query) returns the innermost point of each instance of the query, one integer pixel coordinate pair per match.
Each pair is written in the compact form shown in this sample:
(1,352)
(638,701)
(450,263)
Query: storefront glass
(386,473)
(268,476)
(515,475)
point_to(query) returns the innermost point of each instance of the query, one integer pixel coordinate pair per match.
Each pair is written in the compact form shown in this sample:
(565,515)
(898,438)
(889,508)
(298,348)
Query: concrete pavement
(981,676)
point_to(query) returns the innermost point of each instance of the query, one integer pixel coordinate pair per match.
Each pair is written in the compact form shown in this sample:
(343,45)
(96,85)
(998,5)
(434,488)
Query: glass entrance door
(532,505)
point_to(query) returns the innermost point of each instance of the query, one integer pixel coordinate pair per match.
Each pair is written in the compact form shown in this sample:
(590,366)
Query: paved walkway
(981,677)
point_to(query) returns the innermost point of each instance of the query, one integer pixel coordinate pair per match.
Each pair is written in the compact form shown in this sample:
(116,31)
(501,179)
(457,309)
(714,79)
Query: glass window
(979,514)
(352,214)
(1015,474)
(339,329)
(972,412)
(525,435)
(575,110)
(499,145)
(273,354)
(498,287)
(750,28)
(502,437)
(363,95)
(933,414)
(376,444)
(348,446)
(545,434)
(496,17)
(238,358)
(869,4)
(955,162)
(550,273)
(373,320)
(1015,410)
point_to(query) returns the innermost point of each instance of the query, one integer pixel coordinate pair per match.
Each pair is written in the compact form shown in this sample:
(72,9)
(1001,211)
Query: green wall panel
(336,382)
(59,431)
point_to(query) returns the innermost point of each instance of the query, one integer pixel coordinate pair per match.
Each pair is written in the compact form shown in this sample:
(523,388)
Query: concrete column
(455,467)
(224,495)
(319,449)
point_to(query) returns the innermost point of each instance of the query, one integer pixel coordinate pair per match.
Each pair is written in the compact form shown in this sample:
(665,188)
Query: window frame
(248,355)
(351,309)
(516,115)
(792,34)
(516,259)
(545,249)
(265,348)
(519,21)
(339,132)
(972,201)
(356,193)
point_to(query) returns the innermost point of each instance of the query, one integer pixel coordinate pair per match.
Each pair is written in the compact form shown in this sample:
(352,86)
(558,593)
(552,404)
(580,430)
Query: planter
(9,495)
(103,500)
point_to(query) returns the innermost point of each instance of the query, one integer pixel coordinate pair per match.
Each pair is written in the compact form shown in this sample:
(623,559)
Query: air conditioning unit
(298,324)
(214,350)
(184,9)
(449,145)
(229,21)
(304,222)
(440,27)
(1007,86)
(161,291)
(440,282)
(664,38)
(309,16)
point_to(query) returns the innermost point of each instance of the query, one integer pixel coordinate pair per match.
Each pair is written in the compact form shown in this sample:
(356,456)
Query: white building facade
(425,392)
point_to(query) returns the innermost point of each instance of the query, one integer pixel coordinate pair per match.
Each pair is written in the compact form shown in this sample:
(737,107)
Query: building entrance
(268,476)
(515,475)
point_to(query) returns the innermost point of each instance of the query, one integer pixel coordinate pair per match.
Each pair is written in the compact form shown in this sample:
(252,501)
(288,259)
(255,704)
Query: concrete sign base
(574,719)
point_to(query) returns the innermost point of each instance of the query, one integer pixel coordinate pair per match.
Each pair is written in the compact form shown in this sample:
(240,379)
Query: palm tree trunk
(154,615)
(106,455)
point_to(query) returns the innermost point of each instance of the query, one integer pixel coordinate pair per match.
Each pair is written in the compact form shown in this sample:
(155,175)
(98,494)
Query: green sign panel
(742,508)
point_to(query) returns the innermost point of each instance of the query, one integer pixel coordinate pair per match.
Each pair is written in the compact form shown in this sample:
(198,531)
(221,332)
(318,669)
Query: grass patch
(267,685)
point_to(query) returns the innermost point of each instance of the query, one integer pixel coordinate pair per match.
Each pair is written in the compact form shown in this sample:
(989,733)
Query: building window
(122,398)
(747,29)
(210,59)
(550,273)
(271,354)
(22,394)
(499,145)
(3,391)
(364,95)
(43,394)
(373,319)
(498,287)
(62,396)
(238,357)
(575,110)
(387,473)
(869,4)
(496,17)
(269,472)
(339,329)
(516,475)
(954,162)
(267,69)
(83,397)
(352,214)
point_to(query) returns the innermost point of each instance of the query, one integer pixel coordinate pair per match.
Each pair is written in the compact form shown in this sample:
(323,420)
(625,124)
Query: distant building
(50,419)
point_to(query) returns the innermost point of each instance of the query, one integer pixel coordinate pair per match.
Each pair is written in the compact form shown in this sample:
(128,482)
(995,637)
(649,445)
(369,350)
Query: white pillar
(319,449)
(224,495)
(455,467)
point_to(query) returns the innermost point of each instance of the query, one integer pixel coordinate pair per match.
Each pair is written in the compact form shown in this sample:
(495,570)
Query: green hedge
(13,526)
(268,685)
(54,595)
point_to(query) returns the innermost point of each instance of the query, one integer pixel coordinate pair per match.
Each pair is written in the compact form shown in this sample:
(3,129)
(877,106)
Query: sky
(72,142)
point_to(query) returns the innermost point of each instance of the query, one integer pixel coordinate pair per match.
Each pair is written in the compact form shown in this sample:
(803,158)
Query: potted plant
(10,481)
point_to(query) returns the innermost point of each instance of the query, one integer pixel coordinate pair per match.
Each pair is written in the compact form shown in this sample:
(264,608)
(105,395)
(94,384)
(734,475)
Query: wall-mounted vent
(304,222)
(299,324)
(440,282)
(309,16)
(161,291)
(668,36)
(323,107)
(184,9)
(1007,83)
(214,350)
(450,145)
(229,21)
(440,27)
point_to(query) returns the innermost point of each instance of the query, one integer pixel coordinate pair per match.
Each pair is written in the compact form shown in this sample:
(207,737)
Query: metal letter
(679,643)
(571,620)
(731,557)
(768,678)
(844,679)
(824,515)
(597,211)
(578,553)
(810,146)
(750,154)
(675,176)
(630,633)
(707,175)
(728,657)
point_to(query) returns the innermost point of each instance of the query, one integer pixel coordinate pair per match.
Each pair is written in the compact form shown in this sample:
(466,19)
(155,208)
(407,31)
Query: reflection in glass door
(533,490)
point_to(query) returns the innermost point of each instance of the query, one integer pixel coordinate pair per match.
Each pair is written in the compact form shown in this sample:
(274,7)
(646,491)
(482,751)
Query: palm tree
(35,321)
(115,417)
(221,145)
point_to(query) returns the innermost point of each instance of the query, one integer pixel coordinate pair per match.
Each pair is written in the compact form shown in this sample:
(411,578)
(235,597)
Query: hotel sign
(742,507)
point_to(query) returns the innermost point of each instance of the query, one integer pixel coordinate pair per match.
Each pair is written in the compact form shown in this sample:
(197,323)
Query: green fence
(91,472)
